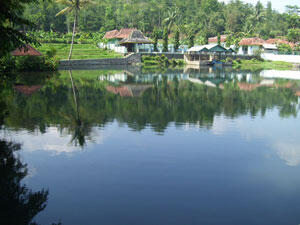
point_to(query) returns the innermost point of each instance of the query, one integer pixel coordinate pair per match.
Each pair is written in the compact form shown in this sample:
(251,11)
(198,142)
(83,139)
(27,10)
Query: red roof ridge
(26,50)
(252,41)
(26,89)
(123,33)
(223,38)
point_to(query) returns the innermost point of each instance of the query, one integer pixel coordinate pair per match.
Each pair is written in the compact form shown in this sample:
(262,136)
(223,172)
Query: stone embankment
(91,63)
(132,59)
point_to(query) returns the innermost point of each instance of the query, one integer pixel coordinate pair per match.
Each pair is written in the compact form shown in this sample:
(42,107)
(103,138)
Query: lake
(141,146)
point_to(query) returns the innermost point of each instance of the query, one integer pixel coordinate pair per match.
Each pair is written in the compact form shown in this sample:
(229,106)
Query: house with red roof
(249,46)
(26,50)
(214,40)
(125,40)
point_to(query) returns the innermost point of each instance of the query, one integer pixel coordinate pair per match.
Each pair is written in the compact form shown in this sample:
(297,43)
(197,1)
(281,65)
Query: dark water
(151,147)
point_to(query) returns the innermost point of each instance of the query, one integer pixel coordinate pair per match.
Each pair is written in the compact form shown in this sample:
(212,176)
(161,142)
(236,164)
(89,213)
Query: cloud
(52,141)
(289,152)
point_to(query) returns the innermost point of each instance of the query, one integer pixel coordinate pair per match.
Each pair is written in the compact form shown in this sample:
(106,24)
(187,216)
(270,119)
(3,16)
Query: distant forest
(202,18)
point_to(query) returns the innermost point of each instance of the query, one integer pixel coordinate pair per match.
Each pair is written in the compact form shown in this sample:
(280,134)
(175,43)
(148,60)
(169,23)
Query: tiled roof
(136,36)
(279,41)
(215,39)
(26,50)
(128,90)
(111,34)
(247,86)
(252,41)
(123,91)
(27,90)
(123,33)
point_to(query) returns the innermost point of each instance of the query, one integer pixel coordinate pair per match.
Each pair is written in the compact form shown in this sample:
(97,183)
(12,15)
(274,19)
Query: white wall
(114,47)
(251,50)
(284,58)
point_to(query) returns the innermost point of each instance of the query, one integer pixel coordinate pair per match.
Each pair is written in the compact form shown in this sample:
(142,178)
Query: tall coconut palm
(73,6)
(172,14)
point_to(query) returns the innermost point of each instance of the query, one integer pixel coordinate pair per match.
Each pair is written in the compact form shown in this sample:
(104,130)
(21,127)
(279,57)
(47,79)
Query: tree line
(203,18)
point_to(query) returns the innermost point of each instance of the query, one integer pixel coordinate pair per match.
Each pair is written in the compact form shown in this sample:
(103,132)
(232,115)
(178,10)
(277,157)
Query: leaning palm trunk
(74,91)
(73,35)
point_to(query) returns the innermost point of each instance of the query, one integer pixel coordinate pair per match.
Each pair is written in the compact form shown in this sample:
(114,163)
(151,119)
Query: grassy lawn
(254,64)
(80,51)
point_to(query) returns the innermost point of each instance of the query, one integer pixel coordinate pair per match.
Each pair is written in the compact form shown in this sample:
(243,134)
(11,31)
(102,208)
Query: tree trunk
(74,91)
(73,35)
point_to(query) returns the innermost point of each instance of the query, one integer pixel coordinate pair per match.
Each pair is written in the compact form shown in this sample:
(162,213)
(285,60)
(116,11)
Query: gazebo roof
(209,48)
(136,37)
(25,51)
(201,48)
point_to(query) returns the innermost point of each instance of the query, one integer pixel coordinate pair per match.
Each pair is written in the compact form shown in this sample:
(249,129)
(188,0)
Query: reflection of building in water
(285,74)
(150,78)
(212,77)
(128,90)
(27,90)
(114,78)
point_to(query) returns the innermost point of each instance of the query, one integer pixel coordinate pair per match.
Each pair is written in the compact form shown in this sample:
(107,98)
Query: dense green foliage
(161,61)
(10,21)
(29,63)
(205,18)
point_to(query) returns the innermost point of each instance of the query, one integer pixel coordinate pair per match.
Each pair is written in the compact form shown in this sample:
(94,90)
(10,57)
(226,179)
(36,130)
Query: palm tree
(73,6)
(172,14)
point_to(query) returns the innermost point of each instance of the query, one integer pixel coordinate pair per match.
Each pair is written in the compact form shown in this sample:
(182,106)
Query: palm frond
(65,10)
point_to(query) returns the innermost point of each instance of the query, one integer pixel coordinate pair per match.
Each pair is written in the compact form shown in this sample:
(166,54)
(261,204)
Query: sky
(278,5)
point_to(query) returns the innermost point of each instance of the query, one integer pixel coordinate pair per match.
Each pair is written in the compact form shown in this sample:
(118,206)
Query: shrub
(173,62)
(7,63)
(150,62)
(180,62)
(228,60)
(147,57)
(36,63)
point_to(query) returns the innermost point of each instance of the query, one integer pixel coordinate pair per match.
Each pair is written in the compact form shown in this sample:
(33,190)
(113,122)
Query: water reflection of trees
(179,102)
(18,204)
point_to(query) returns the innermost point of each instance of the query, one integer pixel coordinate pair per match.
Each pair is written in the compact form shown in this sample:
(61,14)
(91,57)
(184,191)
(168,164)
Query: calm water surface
(166,147)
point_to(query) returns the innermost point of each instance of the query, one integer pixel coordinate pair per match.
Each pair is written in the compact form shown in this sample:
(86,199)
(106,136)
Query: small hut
(206,54)
(135,39)
(26,50)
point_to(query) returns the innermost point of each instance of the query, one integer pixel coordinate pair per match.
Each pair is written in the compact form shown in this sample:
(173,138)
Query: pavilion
(135,39)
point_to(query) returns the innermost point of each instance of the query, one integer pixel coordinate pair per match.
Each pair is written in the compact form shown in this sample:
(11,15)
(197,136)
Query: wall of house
(114,46)
(251,50)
